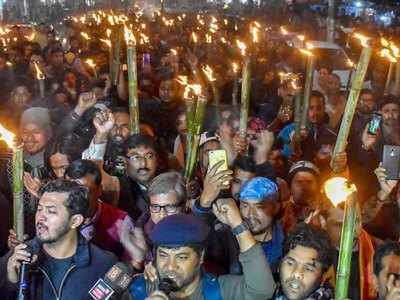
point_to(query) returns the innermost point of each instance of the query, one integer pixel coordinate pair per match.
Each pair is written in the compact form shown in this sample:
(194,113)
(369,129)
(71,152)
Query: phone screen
(374,124)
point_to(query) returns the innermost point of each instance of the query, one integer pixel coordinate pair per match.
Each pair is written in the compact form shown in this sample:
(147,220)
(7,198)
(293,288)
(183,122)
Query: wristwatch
(240,228)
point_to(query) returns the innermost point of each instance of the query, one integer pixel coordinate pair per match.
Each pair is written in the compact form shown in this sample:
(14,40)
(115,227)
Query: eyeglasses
(147,156)
(169,209)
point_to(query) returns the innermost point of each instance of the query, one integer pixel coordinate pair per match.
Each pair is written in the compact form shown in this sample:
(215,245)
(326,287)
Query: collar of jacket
(81,257)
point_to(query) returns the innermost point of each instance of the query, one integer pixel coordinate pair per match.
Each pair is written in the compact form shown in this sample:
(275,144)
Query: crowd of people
(95,194)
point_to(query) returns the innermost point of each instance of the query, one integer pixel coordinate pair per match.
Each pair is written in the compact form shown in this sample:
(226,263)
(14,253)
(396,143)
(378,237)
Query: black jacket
(88,265)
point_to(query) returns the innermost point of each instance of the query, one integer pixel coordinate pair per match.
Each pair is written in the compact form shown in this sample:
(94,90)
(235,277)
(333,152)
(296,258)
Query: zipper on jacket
(62,282)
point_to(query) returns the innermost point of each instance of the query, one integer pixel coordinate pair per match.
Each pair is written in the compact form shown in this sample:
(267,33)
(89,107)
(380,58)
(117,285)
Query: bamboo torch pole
(17,181)
(132,81)
(352,99)
(245,93)
(339,190)
(307,87)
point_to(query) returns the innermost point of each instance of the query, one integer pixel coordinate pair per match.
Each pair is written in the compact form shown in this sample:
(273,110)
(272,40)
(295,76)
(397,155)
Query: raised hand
(263,145)
(227,212)
(32,184)
(85,101)
(214,183)
(385,184)
(104,123)
(134,243)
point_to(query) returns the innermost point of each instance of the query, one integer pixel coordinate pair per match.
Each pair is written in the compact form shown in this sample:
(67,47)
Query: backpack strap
(211,288)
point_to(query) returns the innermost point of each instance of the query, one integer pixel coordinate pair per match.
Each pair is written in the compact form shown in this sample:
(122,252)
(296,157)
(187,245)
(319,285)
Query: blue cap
(259,189)
(179,230)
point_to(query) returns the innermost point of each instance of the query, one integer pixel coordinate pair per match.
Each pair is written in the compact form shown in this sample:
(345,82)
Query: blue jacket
(88,265)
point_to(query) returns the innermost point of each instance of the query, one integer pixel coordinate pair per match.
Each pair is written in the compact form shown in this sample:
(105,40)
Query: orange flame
(235,67)
(90,63)
(242,46)
(107,42)
(363,39)
(85,35)
(209,73)
(337,189)
(39,73)
(8,137)
(306,52)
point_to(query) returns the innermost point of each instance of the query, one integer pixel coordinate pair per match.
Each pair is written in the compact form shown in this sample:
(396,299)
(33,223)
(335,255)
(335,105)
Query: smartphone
(214,157)
(391,161)
(374,124)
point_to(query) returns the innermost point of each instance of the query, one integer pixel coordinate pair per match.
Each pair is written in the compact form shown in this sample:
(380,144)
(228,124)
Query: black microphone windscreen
(119,277)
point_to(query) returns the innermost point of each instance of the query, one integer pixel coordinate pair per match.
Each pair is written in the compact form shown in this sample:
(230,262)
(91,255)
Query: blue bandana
(259,189)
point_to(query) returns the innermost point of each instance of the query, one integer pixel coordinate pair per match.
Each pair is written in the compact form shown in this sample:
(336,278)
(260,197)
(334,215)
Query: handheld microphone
(115,282)
(23,287)
(167,286)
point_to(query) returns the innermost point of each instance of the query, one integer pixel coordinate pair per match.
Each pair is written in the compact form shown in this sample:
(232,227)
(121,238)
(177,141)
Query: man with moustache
(114,162)
(179,243)
(142,159)
(388,133)
(258,207)
(64,265)
(307,255)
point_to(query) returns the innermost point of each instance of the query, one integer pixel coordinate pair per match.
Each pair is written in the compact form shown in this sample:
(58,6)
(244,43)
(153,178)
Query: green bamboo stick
(352,99)
(245,97)
(388,79)
(132,88)
(190,111)
(297,117)
(196,130)
(116,59)
(18,191)
(346,248)
(307,90)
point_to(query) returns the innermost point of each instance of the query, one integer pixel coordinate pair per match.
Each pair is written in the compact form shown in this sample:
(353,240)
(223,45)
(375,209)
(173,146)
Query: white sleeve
(95,151)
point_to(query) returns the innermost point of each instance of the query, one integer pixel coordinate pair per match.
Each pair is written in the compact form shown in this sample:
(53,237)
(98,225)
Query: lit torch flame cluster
(389,50)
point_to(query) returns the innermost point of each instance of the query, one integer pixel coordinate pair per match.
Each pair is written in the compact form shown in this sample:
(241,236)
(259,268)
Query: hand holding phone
(391,161)
(374,124)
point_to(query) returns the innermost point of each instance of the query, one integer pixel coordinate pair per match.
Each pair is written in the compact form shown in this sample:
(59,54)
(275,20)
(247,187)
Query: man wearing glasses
(142,166)
(167,196)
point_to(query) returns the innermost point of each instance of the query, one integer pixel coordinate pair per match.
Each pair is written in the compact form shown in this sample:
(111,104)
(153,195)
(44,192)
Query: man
(389,133)
(65,265)
(387,270)
(362,286)
(361,162)
(114,154)
(179,258)
(244,169)
(336,102)
(35,131)
(307,256)
(314,136)
(304,200)
(105,222)
(167,196)
(259,205)
(56,67)
(142,161)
